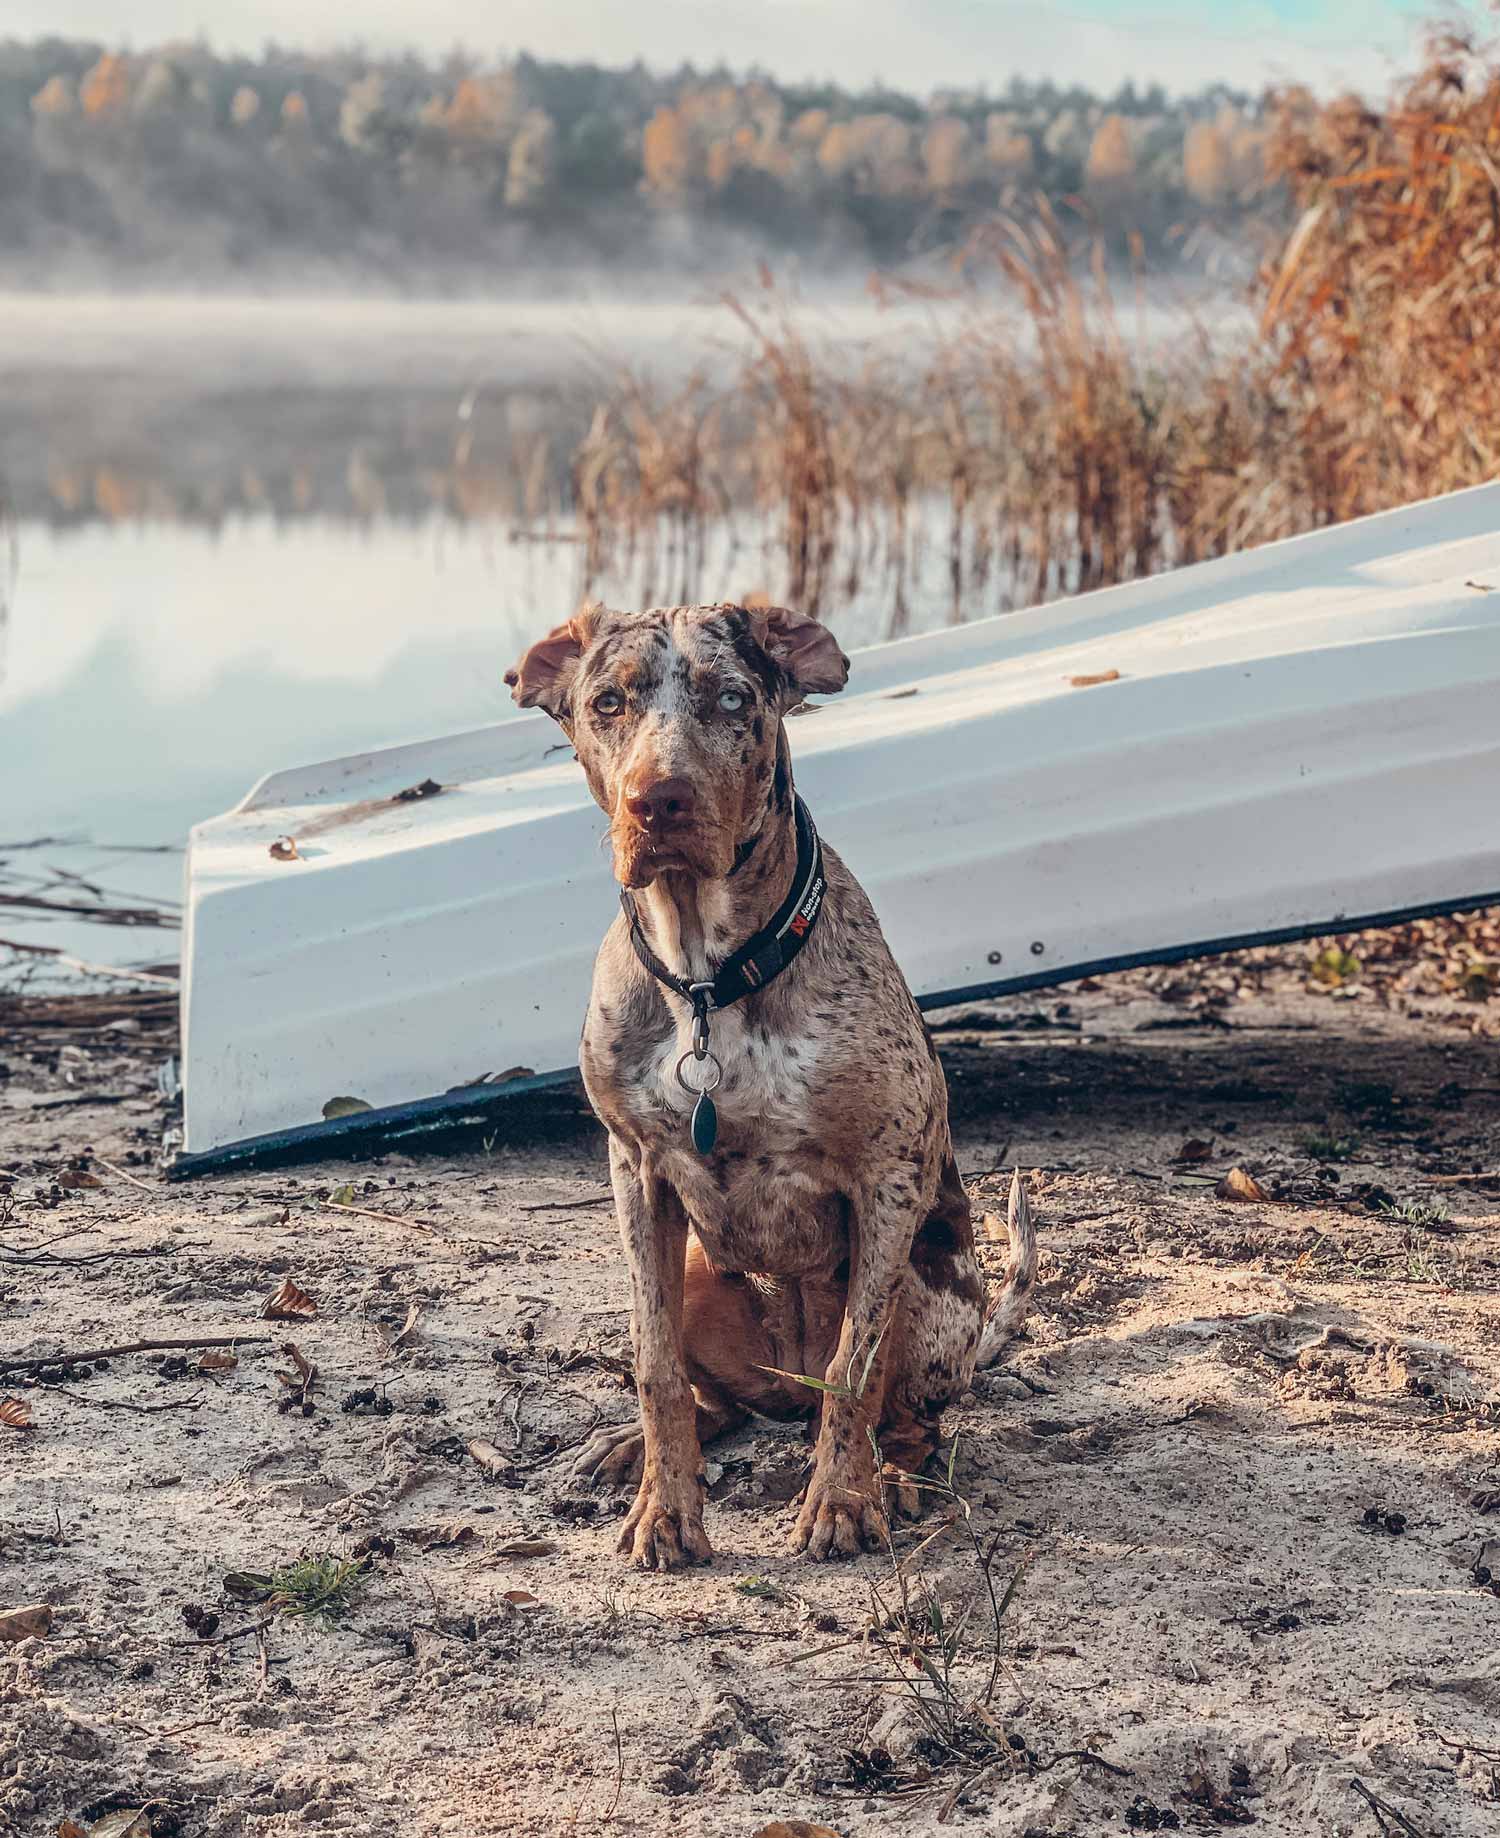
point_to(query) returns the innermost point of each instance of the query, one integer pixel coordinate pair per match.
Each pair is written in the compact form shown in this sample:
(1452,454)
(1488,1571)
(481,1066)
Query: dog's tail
(1008,1310)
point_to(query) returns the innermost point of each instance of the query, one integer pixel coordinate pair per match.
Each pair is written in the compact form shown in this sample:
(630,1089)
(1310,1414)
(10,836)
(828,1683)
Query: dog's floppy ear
(805,649)
(543,677)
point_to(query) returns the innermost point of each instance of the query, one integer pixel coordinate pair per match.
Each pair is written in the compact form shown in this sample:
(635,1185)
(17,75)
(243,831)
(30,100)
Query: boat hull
(1270,746)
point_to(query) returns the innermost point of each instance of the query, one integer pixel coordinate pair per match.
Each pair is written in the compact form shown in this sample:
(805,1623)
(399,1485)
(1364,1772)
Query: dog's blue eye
(731,701)
(608,702)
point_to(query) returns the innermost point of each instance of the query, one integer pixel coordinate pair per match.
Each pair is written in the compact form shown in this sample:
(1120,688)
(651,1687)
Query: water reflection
(152,672)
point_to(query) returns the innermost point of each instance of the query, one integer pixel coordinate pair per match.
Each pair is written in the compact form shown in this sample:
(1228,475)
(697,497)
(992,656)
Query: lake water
(237,549)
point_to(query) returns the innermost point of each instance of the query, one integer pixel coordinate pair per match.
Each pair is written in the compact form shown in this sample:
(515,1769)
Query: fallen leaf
(34,1622)
(306,1374)
(289,1303)
(15,1413)
(1333,966)
(521,1599)
(284,849)
(343,1196)
(1239,1185)
(1479,980)
(438,1537)
(71,1829)
(1089,682)
(344,1107)
(134,1823)
(408,1327)
(76,1177)
(247,1585)
(796,1828)
(526,1547)
(491,1460)
(497,1078)
(1195,1149)
(218,1362)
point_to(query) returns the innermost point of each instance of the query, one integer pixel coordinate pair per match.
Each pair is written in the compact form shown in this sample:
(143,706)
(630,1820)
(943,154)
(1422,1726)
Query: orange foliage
(666,153)
(105,89)
(1205,163)
(1111,161)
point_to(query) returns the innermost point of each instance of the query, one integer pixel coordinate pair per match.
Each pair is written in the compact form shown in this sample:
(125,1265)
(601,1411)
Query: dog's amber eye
(731,701)
(608,702)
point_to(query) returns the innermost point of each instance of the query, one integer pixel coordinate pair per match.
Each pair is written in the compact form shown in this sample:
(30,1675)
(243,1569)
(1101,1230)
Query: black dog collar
(751,968)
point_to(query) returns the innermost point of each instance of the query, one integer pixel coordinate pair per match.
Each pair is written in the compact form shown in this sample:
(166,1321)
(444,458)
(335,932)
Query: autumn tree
(532,159)
(1111,161)
(54,99)
(666,154)
(104,93)
(1205,163)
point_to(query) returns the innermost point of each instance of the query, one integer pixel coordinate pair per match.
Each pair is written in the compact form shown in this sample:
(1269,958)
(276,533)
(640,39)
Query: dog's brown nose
(661,804)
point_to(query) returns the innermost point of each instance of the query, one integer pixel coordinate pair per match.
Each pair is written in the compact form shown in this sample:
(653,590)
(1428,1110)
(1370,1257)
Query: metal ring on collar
(716,1074)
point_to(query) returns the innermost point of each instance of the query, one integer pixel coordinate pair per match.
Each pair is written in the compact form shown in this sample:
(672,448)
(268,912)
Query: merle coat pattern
(828,1234)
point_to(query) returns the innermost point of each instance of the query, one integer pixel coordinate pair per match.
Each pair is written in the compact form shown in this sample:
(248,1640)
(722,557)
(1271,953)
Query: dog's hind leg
(946,1330)
(938,1336)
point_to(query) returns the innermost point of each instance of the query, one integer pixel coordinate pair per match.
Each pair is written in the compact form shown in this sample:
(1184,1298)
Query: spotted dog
(798,1237)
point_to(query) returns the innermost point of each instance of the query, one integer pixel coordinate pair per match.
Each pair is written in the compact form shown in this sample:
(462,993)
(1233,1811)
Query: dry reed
(1046,452)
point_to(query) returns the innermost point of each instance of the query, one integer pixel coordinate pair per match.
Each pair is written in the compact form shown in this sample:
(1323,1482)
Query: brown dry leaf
(76,1177)
(408,1327)
(344,1107)
(289,1303)
(438,1537)
(1089,682)
(34,1622)
(218,1362)
(1195,1149)
(302,1379)
(526,1547)
(71,1829)
(796,1828)
(133,1823)
(284,849)
(1240,1185)
(15,1413)
(489,1459)
(521,1599)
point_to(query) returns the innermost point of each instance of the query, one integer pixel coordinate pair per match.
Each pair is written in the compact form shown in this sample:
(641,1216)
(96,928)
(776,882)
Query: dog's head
(675,716)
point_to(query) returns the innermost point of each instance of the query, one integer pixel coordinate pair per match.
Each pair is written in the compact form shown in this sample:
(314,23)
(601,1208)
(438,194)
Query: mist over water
(258,532)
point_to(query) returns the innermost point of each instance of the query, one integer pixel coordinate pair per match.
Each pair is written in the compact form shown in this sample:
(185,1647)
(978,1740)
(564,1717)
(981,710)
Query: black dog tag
(705,1125)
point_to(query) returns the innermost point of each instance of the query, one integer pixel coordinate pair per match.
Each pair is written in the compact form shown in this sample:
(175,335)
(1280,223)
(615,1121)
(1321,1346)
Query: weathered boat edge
(400,1125)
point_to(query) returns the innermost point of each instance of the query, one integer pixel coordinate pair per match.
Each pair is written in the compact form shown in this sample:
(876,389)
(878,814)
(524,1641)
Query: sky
(916,45)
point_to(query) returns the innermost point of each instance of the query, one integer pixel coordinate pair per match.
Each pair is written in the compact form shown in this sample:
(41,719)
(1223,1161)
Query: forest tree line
(181,163)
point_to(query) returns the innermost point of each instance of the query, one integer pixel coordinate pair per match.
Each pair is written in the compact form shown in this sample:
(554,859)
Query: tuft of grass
(1423,1213)
(762,1589)
(1326,1146)
(321,1587)
(1418,1263)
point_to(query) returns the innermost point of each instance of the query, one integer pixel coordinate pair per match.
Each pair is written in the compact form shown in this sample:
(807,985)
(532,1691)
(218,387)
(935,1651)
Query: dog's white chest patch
(766,1074)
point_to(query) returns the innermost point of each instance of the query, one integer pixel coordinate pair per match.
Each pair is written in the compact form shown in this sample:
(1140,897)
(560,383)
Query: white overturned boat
(1277,744)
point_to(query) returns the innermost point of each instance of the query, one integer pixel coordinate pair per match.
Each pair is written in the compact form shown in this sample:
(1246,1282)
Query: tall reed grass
(1045,449)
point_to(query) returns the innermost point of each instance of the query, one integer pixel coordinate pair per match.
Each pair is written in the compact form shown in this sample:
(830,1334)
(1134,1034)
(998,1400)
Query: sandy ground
(1182,1458)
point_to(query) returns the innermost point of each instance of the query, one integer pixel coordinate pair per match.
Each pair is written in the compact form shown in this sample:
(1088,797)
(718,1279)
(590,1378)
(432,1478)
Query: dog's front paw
(838,1521)
(664,1531)
(613,1456)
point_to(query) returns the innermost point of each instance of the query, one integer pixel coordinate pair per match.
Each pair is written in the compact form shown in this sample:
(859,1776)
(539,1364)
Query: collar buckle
(701,995)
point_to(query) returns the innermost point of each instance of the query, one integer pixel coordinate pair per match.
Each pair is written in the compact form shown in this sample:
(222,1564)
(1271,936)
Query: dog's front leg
(664,1529)
(842,1511)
